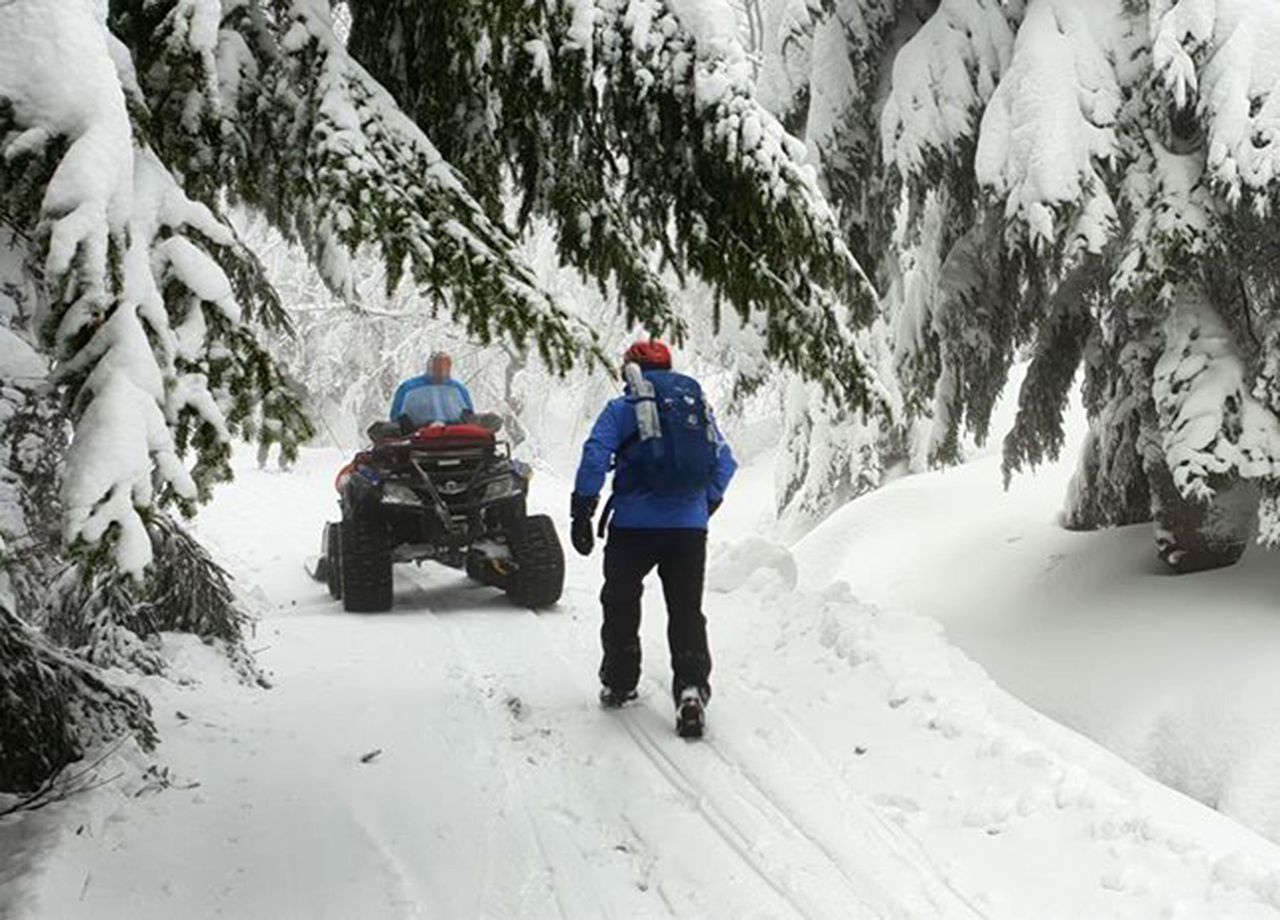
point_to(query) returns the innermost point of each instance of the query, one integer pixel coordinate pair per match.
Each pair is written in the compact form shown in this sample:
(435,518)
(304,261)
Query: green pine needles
(637,135)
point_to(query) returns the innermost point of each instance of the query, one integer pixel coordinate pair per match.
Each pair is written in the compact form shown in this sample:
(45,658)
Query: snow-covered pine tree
(1091,184)
(828,460)
(949,298)
(155,357)
(1189,268)
(54,706)
(824,72)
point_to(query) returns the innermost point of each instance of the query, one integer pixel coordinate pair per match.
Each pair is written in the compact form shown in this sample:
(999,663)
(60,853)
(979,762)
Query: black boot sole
(690,721)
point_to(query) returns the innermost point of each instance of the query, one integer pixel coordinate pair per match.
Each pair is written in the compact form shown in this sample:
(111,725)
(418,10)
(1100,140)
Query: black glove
(713,505)
(582,509)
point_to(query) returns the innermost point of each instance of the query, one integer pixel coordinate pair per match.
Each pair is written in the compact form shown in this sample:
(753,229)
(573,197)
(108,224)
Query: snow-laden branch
(942,80)
(136,305)
(1213,427)
(1050,127)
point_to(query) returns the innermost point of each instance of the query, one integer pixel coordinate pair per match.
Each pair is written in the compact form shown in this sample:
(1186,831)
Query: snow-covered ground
(856,764)
(1180,675)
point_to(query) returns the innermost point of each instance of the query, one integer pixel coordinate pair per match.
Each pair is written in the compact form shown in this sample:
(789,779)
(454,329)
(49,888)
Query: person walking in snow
(433,397)
(671,467)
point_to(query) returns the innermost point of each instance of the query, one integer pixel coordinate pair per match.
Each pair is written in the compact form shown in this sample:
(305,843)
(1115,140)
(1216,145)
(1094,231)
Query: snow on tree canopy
(1056,177)
(1213,427)
(785,71)
(87,210)
(1223,57)
(1042,137)
(943,78)
(640,136)
(137,308)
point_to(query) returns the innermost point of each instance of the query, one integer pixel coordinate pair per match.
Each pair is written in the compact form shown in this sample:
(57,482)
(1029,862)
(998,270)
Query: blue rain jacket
(642,510)
(425,401)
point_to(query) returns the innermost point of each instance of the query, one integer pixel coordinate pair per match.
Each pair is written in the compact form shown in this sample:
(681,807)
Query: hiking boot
(615,699)
(691,715)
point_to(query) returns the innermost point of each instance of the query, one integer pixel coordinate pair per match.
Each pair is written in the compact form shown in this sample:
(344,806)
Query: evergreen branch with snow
(155,356)
(55,707)
(64,784)
(942,80)
(1037,434)
(632,125)
(110,620)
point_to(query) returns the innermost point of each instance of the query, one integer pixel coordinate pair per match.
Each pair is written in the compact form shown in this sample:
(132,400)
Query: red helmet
(651,354)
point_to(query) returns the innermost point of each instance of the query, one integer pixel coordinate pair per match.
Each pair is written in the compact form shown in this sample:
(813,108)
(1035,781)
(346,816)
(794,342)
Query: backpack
(680,457)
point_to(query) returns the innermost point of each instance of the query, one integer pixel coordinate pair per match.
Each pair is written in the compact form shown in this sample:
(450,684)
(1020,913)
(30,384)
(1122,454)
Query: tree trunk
(517,361)
(1193,536)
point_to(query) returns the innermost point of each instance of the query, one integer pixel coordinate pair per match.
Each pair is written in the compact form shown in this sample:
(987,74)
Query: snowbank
(1177,674)
(755,562)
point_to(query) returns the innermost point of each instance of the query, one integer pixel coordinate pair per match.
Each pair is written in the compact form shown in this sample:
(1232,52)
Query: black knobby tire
(365,563)
(333,559)
(538,579)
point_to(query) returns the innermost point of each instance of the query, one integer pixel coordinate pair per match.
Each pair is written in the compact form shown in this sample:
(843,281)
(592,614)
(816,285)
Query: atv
(450,494)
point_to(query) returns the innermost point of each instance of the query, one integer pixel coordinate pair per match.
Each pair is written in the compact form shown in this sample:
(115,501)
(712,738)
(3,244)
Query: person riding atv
(436,484)
(434,396)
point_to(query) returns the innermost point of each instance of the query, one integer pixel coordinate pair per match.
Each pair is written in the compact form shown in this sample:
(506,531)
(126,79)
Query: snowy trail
(855,767)
(724,809)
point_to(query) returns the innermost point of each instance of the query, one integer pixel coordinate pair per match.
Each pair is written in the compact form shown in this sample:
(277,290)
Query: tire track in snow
(449,603)
(462,654)
(724,826)
(685,782)
(714,818)
(729,795)
(565,862)
(926,880)
(412,900)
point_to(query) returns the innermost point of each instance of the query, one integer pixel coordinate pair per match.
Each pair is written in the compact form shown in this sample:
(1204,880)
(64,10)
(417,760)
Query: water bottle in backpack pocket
(679,458)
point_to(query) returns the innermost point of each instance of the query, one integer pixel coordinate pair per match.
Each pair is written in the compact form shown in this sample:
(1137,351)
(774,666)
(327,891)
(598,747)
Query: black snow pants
(681,560)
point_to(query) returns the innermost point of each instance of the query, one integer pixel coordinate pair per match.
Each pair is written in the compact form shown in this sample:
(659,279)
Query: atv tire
(365,564)
(333,559)
(538,579)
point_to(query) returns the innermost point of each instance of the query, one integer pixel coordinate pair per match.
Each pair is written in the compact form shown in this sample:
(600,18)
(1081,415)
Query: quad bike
(447,493)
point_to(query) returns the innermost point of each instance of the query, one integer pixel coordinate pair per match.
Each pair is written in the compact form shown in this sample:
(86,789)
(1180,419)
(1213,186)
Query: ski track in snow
(713,798)
(835,780)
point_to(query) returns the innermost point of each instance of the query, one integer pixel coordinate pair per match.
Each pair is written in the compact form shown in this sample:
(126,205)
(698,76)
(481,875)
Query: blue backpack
(683,460)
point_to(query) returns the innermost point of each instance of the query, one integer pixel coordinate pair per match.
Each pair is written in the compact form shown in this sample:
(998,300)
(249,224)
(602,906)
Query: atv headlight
(500,489)
(395,493)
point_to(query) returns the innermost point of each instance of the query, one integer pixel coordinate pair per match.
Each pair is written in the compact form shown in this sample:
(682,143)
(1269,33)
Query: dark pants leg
(680,556)
(682,569)
(628,558)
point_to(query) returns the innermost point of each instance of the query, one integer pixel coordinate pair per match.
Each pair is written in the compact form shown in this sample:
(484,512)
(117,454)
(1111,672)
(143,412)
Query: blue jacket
(640,510)
(426,401)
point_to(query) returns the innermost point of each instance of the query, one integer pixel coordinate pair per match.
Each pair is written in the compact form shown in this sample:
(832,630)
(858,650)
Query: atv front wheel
(538,579)
(365,563)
